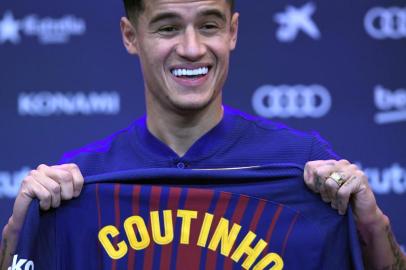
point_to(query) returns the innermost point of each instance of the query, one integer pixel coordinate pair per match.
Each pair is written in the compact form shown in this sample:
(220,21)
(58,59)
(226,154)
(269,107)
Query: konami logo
(46,103)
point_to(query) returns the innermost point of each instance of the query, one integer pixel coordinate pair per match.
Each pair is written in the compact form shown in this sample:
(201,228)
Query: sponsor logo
(48,30)
(384,23)
(21,264)
(10,182)
(293,20)
(387,180)
(392,105)
(57,103)
(291,101)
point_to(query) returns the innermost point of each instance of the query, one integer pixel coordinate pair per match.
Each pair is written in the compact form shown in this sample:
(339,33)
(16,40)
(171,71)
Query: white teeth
(190,72)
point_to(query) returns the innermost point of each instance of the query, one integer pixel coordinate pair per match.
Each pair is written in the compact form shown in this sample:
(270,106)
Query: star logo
(293,20)
(9,29)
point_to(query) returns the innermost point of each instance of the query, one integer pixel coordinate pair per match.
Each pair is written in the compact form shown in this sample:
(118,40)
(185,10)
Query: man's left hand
(341,183)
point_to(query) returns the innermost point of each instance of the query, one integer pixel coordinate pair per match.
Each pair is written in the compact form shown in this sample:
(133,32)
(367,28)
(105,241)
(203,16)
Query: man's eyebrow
(172,15)
(213,12)
(164,16)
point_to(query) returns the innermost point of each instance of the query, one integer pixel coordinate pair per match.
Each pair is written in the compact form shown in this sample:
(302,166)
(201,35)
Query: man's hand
(50,185)
(355,187)
(378,242)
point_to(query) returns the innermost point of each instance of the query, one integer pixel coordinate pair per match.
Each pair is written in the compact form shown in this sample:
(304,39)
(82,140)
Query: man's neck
(179,131)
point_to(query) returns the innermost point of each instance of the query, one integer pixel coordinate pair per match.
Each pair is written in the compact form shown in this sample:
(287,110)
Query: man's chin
(190,106)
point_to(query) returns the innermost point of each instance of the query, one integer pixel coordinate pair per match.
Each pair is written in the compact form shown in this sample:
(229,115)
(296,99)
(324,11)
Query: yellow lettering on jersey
(132,224)
(156,227)
(108,246)
(187,216)
(226,237)
(139,238)
(245,248)
(267,260)
(204,232)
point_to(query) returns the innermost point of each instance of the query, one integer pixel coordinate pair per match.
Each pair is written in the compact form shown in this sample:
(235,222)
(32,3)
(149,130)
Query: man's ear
(129,35)
(234,30)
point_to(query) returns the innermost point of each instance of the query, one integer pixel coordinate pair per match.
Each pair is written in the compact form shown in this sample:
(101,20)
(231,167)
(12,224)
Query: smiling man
(184,48)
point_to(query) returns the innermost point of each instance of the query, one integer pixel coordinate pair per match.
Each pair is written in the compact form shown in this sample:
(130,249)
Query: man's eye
(209,26)
(168,29)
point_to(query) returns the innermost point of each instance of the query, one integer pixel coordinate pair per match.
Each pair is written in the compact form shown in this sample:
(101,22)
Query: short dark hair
(133,8)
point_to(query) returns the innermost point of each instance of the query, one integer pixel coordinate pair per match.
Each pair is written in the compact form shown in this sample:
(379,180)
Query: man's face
(184,48)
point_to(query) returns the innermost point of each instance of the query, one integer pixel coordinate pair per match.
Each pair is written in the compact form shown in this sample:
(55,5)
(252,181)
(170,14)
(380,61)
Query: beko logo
(291,101)
(57,103)
(383,23)
(392,105)
(19,263)
(294,20)
(10,182)
(47,30)
(387,180)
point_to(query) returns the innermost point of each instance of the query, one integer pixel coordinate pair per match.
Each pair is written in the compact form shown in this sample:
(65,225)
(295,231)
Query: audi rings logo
(291,101)
(382,23)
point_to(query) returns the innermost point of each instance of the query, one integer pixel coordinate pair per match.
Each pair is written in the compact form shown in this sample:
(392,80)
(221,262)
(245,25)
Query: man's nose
(191,46)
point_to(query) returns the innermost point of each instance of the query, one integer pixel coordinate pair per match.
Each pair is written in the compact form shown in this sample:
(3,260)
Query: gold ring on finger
(338,178)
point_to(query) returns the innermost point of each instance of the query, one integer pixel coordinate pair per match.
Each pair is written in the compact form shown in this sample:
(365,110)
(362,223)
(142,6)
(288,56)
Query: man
(184,49)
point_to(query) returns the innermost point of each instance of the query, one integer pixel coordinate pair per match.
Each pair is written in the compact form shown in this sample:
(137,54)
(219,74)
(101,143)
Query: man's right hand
(50,185)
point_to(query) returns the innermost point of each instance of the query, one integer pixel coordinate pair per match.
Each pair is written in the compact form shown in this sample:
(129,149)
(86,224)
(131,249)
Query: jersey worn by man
(235,200)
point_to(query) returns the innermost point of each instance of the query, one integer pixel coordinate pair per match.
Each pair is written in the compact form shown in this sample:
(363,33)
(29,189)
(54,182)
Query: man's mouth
(187,73)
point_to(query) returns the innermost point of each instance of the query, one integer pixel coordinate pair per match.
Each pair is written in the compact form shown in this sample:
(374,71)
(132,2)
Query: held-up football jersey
(260,217)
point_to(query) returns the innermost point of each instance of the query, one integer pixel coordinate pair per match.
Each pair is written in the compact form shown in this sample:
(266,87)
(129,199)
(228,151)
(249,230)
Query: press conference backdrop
(334,66)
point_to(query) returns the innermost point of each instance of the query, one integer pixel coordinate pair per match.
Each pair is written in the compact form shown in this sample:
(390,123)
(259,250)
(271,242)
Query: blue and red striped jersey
(235,200)
(239,140)
(260,217)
